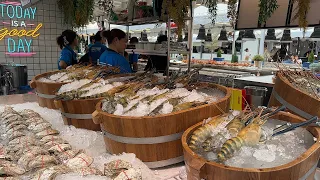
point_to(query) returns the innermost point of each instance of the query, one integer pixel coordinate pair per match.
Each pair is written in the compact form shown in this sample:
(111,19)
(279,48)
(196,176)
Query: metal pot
(258,64)
(20,74)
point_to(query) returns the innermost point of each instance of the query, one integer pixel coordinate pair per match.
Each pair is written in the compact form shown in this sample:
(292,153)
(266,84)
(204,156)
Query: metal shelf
(141,21)
(153,52)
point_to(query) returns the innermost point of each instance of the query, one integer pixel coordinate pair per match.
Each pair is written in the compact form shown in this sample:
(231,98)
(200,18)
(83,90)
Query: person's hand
(69,67)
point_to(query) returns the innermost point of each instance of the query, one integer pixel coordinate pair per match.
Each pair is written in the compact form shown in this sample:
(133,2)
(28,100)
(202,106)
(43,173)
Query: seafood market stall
(91,144)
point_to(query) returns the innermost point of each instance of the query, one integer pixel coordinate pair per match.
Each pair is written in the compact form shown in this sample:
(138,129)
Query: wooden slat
(46,88)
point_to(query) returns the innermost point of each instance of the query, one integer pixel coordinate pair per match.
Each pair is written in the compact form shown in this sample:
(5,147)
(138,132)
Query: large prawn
(248,136)
(233,127)
(203,133)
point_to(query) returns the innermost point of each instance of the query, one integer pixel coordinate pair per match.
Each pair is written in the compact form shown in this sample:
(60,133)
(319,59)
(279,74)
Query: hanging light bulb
(202,33)
(271,36)
(286,37)
(249,35)
(209,36)
(315,36)
(223,35)
(239,39)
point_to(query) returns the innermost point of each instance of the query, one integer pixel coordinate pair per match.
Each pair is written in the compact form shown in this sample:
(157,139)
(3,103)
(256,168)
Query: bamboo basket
(45,91)
(304,167)
(155,140)
(295,100)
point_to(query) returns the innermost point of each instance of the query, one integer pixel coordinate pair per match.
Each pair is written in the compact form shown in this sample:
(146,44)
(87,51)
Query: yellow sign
(236,99)
(15,32)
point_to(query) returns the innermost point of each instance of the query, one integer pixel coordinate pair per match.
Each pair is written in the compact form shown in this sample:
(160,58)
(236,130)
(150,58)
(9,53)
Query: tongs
(292,126)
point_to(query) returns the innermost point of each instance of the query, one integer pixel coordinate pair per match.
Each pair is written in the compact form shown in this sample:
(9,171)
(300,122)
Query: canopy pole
(190,35)
(168,50)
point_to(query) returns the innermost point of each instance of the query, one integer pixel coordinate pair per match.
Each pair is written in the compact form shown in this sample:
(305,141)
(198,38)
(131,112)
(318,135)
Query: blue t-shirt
(112,58)
(133,58)
(68,56)
(95,51)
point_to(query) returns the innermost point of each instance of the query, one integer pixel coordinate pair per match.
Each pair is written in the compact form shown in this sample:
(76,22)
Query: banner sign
(18,33)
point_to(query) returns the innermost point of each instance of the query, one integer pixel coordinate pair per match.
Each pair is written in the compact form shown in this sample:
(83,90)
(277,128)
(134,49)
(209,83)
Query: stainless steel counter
(256,80)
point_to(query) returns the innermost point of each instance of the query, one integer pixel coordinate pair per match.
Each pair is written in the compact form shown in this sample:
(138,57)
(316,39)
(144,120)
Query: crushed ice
(274,152)
(92,142)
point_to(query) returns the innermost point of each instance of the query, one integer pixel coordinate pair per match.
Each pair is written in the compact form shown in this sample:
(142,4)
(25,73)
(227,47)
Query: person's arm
(90,56)
(135,59)
(135,66)
(90,60)
(63,64)
(65,59)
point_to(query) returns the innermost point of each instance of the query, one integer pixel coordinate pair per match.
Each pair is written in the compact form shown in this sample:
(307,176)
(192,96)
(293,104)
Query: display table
(168,173)
(17,99)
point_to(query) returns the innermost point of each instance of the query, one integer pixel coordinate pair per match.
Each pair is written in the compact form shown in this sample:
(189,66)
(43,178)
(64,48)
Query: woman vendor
(117,42)
(67,42)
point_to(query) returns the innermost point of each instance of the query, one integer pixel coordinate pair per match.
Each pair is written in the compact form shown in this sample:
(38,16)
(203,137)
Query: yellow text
(15,32)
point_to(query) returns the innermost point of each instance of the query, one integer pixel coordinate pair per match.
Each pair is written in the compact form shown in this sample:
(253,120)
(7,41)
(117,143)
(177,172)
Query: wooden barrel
(295,100)
(304,167)
(78,113)
(45,90)
(155,140)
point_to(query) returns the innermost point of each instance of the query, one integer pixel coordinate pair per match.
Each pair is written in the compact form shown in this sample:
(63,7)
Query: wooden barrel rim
(224,89)
(283,79)
(37,77)
(301,158)
(291,102)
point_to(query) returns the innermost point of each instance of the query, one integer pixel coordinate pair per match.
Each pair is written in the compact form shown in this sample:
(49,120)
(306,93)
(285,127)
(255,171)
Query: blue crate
(218,59)
(306,65)
(25,88)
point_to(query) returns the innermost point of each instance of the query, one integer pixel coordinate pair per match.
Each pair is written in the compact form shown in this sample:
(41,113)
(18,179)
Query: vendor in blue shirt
(117,42)
(97,48)
(92,41)
(67,42)
(133,58)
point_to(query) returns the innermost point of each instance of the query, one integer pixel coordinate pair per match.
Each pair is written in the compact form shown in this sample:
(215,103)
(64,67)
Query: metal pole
(241,54)
(190,35)
(261,48)
(128,30)
(201,49)
(168,50)
(234,43)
